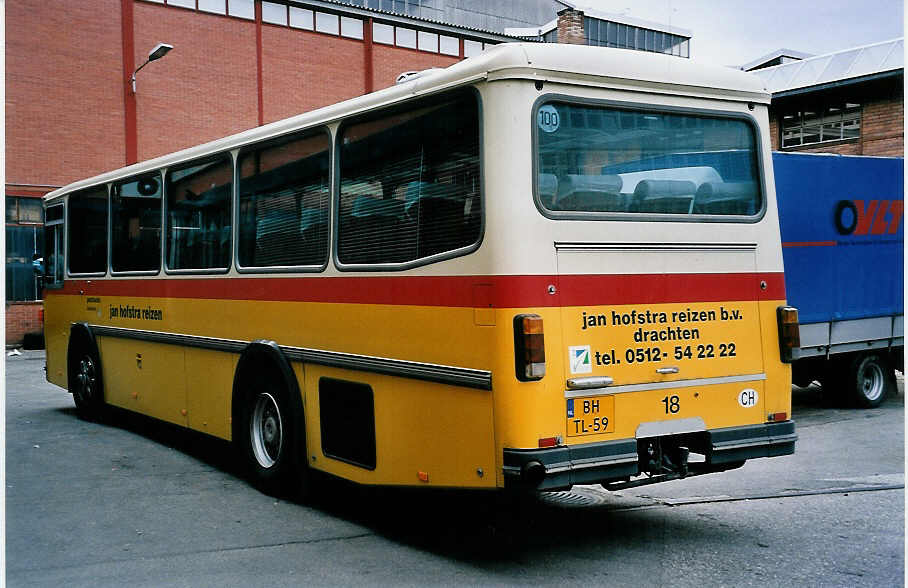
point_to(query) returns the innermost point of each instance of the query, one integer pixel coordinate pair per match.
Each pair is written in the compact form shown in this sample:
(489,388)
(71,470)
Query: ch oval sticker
(748,398)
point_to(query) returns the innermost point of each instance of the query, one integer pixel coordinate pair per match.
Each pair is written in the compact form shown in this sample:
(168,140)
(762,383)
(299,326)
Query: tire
(268,435)
(85,380)
(870,379)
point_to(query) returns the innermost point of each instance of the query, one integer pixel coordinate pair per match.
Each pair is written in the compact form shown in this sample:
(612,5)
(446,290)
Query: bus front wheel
(85,381)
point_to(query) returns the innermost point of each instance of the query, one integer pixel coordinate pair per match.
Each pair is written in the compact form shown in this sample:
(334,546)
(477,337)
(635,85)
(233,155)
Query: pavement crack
(164,556)
(776,495)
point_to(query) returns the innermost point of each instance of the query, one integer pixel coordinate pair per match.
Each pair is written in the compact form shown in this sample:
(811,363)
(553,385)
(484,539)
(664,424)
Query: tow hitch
(662,460)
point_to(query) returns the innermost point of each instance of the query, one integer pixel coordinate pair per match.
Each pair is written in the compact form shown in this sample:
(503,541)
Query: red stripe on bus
(809,244)
(453,291)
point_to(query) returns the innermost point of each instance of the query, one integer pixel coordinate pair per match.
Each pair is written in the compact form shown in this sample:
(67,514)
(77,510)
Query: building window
(449,45)
(828,122)
(215,6)
(382,33)
(182,3)
(351,27)
(274,13)
(24,211)
(301,18)
(326,23)
(406,38)
(603,33)
(24,248)
(428,42)
(471,48)
(241,8)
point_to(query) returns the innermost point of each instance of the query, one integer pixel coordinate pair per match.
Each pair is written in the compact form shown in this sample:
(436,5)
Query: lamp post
(159,51)
(129,90)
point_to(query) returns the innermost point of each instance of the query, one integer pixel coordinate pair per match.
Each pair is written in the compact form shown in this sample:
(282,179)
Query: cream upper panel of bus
(514,217)
(538,61)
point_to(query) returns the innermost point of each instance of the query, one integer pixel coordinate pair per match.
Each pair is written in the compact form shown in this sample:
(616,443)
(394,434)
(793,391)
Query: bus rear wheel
(267,438)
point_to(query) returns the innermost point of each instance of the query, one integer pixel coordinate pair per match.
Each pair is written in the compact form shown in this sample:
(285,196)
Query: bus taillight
(529,347)
(789,334)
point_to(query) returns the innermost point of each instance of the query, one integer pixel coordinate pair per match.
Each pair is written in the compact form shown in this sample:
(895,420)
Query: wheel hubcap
(86,378)
(872,382)
(265,430)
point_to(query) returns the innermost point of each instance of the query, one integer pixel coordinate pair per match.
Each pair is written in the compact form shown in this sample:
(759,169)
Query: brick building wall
(22,318)
(333,70)
(882,119)
(570,27)
(882,127)
(202,90)
(389,62)
(64,98)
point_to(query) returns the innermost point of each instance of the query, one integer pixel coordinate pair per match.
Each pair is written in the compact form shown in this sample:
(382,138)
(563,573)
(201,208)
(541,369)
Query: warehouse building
(849,102)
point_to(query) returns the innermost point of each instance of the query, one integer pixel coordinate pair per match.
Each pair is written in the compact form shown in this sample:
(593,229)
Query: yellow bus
(543,266)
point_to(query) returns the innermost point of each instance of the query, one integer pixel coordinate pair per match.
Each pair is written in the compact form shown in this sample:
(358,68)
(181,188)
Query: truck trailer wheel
(834,382)
(869,379)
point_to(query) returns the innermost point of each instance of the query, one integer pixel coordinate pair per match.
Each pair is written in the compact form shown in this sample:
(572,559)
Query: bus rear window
(606,160)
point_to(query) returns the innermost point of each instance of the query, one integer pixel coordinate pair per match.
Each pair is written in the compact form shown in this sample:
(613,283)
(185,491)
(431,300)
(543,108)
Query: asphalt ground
(141,503)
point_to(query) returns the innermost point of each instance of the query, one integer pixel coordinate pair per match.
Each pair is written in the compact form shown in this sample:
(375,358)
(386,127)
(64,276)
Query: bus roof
(551,62)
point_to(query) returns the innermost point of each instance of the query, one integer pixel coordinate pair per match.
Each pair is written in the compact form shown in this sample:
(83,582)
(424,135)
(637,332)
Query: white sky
(733,32)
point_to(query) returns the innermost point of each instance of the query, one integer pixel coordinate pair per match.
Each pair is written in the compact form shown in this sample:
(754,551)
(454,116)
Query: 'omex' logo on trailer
(876,217)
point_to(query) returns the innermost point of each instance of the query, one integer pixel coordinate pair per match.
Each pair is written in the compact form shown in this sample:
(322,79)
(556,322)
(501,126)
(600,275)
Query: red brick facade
(65,87)
(22,318)
(64,98)
(570,27)
(882,119)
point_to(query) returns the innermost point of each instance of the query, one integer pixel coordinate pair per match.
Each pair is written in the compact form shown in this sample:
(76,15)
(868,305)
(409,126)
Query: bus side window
(284,202)
(88,231)
(198,215)
(135,206)
(427,161)
(53,246)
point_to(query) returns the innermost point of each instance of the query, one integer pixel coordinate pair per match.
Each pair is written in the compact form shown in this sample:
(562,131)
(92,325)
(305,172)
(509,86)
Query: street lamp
(159,51)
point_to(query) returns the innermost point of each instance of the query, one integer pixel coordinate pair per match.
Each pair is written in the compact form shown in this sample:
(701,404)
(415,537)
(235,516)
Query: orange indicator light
(423,476)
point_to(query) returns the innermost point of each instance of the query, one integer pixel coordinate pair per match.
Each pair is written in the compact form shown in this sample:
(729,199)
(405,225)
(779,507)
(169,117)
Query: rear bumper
(592,463)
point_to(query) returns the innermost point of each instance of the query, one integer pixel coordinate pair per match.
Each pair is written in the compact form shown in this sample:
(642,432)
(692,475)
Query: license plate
(590,416)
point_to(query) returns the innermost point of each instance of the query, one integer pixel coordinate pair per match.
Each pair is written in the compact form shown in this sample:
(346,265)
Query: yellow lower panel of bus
(425,433)
(603,417)
(705,387)
(145,377)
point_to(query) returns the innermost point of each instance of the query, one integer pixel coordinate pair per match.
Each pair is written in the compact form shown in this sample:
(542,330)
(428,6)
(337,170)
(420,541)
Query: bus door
(670,345)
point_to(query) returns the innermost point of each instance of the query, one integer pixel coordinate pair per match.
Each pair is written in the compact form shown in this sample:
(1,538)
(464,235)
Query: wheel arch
(79,334)
(264,356)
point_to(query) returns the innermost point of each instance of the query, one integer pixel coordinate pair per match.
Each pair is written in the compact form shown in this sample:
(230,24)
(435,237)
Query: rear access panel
(650,318)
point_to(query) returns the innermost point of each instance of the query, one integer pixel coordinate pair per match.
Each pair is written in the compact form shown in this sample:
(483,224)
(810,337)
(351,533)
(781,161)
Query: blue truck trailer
(842,227)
